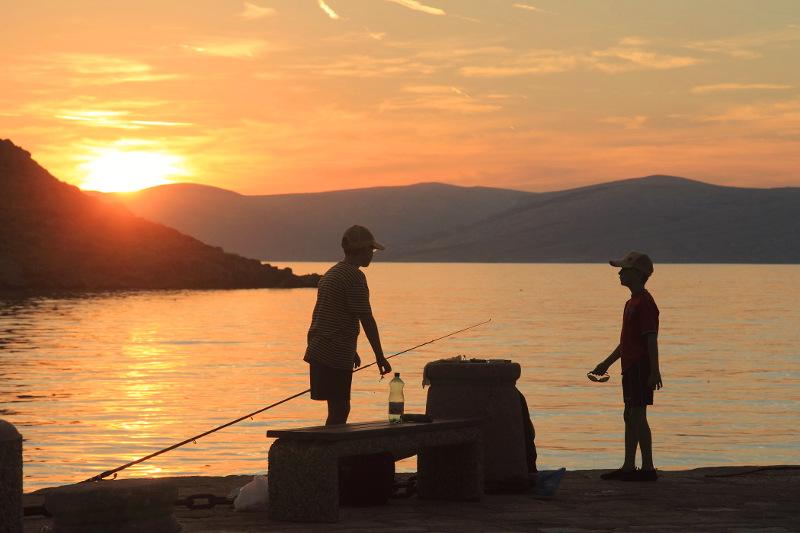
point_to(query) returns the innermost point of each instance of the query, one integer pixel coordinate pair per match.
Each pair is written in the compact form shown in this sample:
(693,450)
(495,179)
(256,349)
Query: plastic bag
(547,482)
(254,496)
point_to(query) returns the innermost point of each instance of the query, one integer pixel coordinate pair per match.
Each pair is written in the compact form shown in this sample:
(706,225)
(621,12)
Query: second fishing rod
(251,415)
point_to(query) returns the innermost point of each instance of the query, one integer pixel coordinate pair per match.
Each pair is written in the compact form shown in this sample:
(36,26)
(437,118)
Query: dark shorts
(635,390)
(328,383)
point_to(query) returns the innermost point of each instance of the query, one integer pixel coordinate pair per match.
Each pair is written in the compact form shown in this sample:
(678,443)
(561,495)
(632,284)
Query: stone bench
(303,462)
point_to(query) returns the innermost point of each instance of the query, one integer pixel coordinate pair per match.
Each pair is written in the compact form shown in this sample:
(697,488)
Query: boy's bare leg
(643,435)
(631,440)
(338,411)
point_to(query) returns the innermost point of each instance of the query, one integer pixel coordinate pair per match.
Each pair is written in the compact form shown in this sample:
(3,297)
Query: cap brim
(379,246)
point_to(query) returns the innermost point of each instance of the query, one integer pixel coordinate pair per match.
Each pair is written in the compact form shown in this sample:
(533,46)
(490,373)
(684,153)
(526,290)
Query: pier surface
(718,499)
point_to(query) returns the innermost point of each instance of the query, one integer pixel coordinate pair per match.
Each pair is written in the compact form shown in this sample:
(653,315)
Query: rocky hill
(675,219)
(309,227)
(54,236)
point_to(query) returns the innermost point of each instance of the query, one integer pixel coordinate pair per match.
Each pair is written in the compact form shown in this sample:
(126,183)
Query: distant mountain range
(674,219)
(54,236)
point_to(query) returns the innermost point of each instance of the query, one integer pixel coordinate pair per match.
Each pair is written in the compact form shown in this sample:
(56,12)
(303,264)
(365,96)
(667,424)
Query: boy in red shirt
(638,353)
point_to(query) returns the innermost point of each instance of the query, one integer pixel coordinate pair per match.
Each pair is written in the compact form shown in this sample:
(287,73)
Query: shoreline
(730,498)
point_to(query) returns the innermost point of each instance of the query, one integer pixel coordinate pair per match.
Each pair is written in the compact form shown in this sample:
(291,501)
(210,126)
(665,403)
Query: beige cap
(360,237)
(637,260)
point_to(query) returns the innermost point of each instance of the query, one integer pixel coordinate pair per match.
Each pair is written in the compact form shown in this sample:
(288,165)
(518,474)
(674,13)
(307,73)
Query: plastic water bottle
(396,399)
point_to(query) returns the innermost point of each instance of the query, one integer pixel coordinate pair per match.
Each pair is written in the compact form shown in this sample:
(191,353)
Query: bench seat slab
(304,475)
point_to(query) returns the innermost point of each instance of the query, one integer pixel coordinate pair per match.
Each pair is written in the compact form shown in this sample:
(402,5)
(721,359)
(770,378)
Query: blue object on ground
(547,481)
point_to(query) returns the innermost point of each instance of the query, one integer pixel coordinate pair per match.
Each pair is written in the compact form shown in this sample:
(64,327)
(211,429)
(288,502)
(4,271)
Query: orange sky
(278,96)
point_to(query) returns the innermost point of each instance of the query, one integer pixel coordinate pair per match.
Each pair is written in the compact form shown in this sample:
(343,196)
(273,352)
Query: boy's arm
(371,331)
(602,368)
(654,381)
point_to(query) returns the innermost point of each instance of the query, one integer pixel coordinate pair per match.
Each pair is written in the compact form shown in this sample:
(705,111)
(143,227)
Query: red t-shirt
(640,317)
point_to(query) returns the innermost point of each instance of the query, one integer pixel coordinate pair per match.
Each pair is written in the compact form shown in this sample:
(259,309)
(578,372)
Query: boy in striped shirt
(342,309)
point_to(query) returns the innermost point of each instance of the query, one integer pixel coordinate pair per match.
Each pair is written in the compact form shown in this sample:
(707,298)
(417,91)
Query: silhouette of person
(638,353)
(341,310)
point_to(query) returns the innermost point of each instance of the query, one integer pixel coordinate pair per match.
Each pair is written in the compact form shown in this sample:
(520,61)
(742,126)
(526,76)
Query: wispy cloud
(738,87)
(254,12)
(233,48)
(625,59)
(370,67)
(779,119)
(532,8)
(441,98)
(328,10)
(629,123)
(416,6)
(88,69)
(631,54)
(749,46)
(113,119)
(544,62)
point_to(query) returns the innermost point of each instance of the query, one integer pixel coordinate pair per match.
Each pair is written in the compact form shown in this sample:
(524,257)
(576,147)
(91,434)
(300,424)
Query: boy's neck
(637,289)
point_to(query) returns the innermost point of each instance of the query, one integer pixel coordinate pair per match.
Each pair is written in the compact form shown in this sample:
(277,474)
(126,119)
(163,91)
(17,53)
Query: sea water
(96,380)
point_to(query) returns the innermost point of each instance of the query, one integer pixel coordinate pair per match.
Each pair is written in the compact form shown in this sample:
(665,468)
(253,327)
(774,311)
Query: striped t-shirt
(342,295)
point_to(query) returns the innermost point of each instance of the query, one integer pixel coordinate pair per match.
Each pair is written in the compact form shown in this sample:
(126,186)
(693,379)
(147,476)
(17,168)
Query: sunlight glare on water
(94,381)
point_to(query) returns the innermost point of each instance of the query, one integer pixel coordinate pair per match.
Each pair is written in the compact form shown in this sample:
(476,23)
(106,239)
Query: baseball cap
(637,260)
(356,237)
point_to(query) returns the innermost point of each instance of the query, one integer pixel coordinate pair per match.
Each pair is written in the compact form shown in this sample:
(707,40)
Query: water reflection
(94,381)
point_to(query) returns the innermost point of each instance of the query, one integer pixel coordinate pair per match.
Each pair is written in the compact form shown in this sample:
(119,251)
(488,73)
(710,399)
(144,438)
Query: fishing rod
(251,415)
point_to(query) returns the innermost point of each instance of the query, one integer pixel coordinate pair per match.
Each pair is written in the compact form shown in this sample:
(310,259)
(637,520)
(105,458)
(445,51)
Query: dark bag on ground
(529,433)
(366,480)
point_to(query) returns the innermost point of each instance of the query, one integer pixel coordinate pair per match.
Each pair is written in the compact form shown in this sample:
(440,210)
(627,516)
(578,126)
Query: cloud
(775,116)
(328,10)
(369,67)
(88,69)
(633,41)
(628,56)
(254,12)
(440,98)
(749,46)
(762,120)
(738,87)
(112,119)
(544,62)
(629,123)
(233,48)
(625,59)
(435,89)
(532,8)
(416,6)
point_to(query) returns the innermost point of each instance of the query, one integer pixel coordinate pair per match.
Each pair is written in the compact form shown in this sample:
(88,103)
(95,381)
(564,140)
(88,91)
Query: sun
(114,170)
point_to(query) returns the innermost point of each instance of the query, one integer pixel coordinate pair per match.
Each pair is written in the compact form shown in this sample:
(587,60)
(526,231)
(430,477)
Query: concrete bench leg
(453,472)
(303,482)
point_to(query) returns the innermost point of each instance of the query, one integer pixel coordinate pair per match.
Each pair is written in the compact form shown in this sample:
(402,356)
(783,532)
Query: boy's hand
(383,365)
(357,361)
(654,381)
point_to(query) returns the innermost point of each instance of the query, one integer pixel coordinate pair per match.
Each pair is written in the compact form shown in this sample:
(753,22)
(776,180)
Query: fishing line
(251,415)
